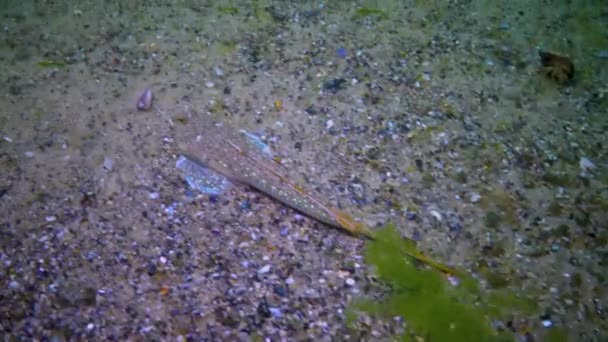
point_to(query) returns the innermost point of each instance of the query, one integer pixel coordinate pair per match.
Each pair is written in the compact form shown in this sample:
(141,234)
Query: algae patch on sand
(433,309)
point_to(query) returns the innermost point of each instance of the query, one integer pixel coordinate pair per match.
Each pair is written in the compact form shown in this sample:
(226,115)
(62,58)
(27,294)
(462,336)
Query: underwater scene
(261,170)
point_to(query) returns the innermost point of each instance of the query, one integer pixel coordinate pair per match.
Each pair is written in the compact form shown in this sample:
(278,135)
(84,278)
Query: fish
(220,155)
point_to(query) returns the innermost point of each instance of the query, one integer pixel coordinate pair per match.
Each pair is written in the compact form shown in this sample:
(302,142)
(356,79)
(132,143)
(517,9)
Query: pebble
(50,218)
(329,124)
(411,216)
(7,139)
(218,71)
(602,54)
(280,291)
(209,84)
(474,197)
(586,164)
(264,269)
(436,215)
(289,281)
(108,164)
(275,312)
(350,282)
(29,154)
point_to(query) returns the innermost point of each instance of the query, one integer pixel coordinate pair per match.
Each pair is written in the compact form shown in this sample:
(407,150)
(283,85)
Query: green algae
(370,12)
(50,64)
(433,310)
(228,10)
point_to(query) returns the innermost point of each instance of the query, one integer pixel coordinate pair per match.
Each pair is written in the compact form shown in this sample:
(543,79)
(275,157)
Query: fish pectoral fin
(201,178)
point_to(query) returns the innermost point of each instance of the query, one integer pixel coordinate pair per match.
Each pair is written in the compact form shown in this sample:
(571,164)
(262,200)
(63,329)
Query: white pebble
(50,218)
(209,84)
(29,154)
(350,282)
(153,195)
(289,281)
(586,164)
(90,326)
(264,269)
(163,260)
(436,215)
(329,124)
(108,164)
(7,139)
(474,197)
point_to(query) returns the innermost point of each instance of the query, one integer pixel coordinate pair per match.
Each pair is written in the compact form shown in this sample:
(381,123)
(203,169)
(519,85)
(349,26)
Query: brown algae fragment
(555,67)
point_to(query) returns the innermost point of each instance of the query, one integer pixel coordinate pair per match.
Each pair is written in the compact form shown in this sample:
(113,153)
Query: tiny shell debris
(264,269)
(145,100)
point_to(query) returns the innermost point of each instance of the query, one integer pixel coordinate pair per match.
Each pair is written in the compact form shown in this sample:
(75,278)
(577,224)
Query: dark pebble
(455,228)
(245,205)
(280,291)
(263,309)
(410,215)
(334,85)
(311,110)
(151,269)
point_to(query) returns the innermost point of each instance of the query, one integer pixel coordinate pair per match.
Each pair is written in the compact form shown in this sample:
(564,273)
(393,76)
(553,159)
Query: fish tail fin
(348,223)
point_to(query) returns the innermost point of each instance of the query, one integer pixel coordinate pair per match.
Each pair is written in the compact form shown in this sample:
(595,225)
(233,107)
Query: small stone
(329,124)
(163,260)
(153,195)
(218,71)
(275,312)
(209,84)
(7,139)
(350,282)
(90,326)
(29,154)
(108,164)
(474,197)
(289,281)
(264,269)
(436,215)
(586,164)
(280,291)
(50,218)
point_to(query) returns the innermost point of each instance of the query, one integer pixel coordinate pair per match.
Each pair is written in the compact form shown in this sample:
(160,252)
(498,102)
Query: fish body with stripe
(220,154)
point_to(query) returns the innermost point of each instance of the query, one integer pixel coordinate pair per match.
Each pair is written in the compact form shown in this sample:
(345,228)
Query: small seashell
(145,100)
